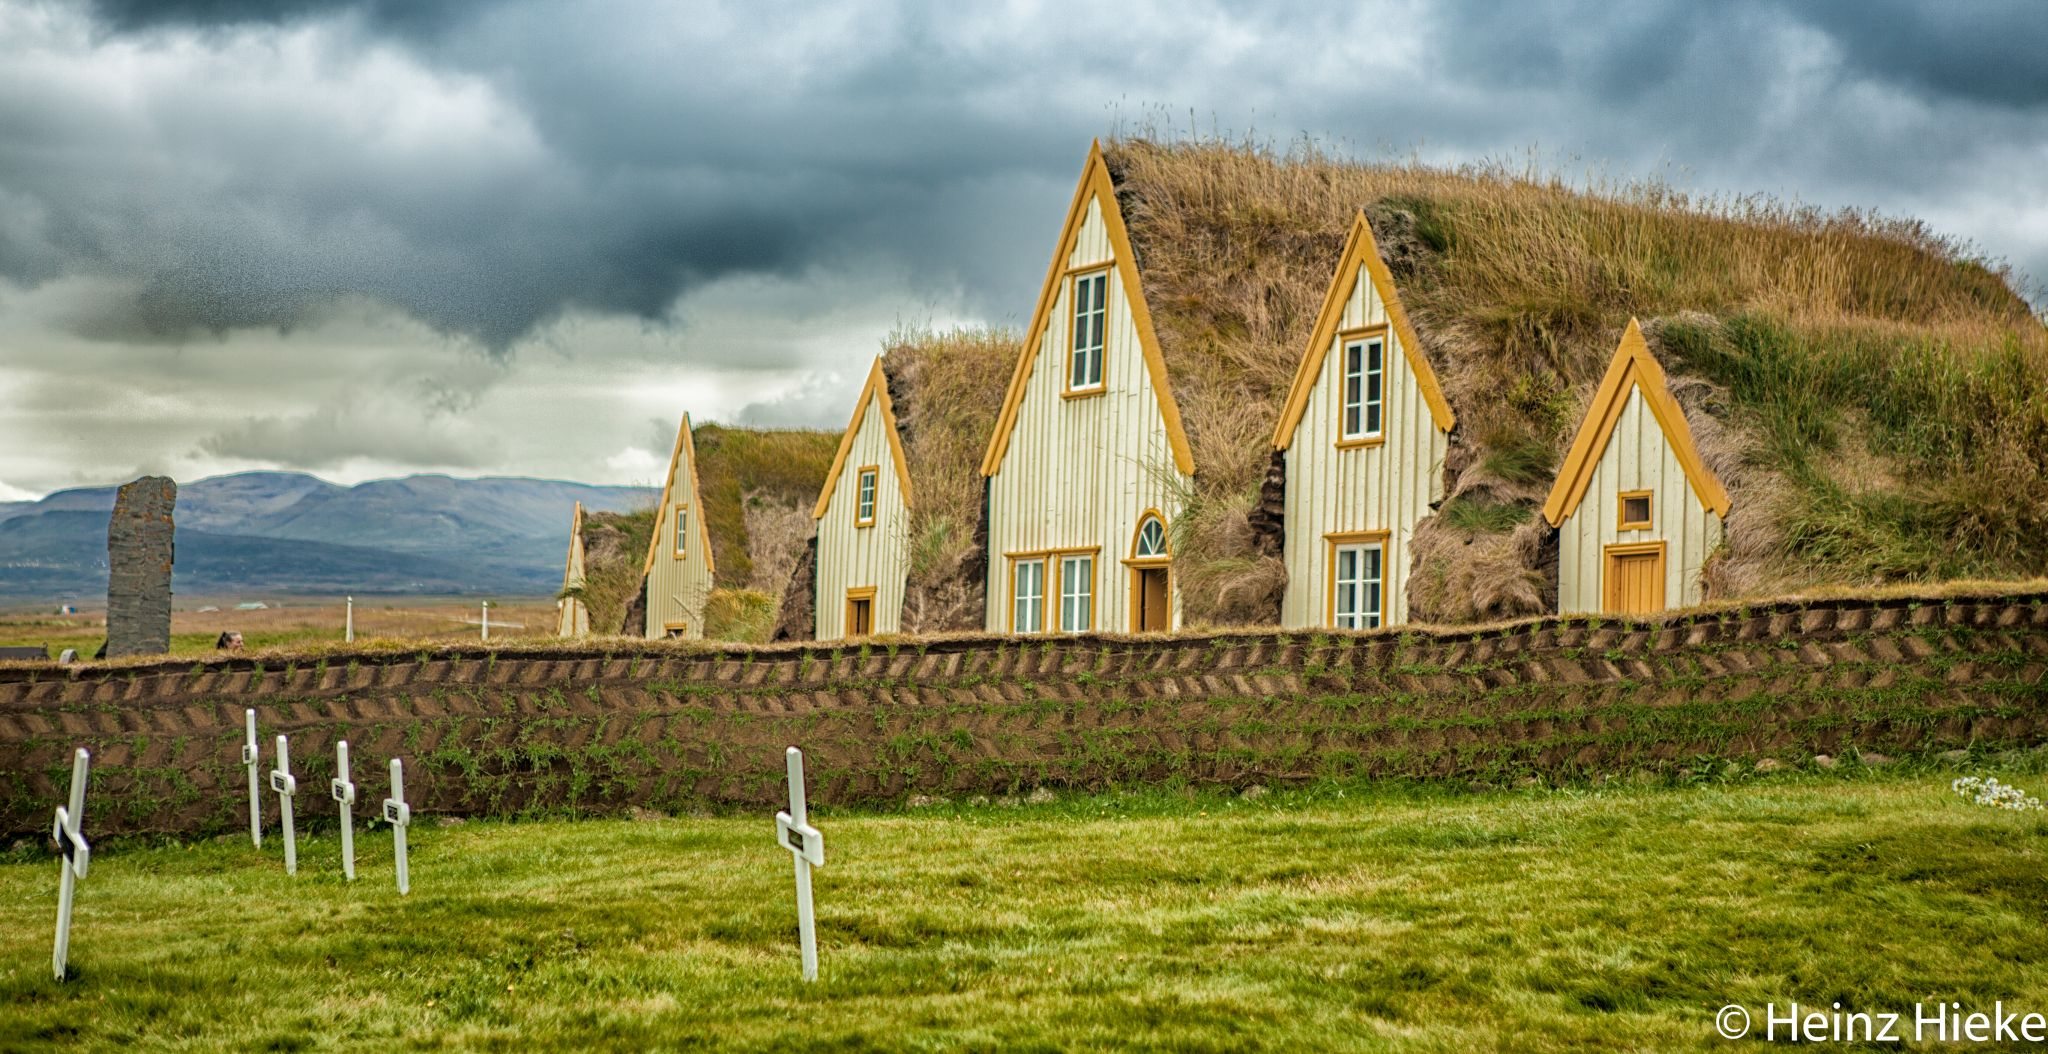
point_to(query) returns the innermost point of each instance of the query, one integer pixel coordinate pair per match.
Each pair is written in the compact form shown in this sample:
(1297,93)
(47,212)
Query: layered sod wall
(596,729)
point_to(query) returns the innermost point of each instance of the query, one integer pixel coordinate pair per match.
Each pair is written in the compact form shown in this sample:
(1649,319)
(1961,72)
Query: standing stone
(139,555)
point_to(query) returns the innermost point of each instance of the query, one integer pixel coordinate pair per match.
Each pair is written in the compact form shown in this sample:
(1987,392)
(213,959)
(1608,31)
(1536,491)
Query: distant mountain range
(287,532)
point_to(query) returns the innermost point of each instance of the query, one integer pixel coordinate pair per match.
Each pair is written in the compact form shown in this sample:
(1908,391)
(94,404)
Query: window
(1091,312)
(675,630)
(1029,591)
(1151,541)
(1364,376)
(864,505)
(682,519)
(1355,601)
(1077,589)
(1635,510)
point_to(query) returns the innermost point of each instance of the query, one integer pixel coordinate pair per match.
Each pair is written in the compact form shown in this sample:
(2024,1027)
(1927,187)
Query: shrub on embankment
(601,728)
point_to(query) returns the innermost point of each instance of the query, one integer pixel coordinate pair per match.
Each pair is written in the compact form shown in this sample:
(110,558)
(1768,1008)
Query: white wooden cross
(71,843)
(399,815)
(282,782)
(255,781)
(345,793)
(807,845)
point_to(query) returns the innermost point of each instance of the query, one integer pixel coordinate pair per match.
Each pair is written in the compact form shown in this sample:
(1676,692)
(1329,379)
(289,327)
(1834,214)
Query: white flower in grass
(1988,791)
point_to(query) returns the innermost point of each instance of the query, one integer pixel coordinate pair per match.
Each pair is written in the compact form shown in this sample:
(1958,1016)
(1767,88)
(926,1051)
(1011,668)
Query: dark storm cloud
(610,158)
(1989,51)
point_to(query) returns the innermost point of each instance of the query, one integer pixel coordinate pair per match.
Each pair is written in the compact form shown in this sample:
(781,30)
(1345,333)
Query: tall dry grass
(946,387)
(1520,284)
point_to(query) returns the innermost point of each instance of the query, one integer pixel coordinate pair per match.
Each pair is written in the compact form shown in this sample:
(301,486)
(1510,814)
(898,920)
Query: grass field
(1388,918)
(293,622)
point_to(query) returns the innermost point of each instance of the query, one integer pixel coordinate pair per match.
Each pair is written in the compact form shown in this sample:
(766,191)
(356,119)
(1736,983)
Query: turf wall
(603,728)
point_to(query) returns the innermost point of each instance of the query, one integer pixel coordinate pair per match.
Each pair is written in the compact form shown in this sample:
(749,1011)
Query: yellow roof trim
(1095,185)
(1633,368)
(573,566)
(876,390)
(684,442)
(1360,250)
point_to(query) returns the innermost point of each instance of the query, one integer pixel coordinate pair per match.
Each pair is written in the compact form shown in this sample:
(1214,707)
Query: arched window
(1150,542)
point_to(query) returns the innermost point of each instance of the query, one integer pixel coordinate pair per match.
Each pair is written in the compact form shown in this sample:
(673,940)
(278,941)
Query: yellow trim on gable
(1633,368)
(684,442)
(877,388)
(1360,250)
(572,567)
(1095,186)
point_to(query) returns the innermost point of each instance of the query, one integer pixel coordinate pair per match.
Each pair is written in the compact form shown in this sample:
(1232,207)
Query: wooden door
(1153,616)
(1634,580)
(861,617)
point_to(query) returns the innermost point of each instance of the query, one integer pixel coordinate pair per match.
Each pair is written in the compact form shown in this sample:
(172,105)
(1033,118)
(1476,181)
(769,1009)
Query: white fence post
(255,781)
(399,815)
(807,845)
(282,782)
(76,855)
(345,793)
(349,622)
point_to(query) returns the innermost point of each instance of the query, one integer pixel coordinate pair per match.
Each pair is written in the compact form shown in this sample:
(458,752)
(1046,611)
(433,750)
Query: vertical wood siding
(1637,458)
(1080,473)
(1389,487)
(677,590)
(851,557)
(572,615)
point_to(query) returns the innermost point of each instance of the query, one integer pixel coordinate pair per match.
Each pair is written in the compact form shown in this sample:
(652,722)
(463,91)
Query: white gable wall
(1389,487)
(572,615)
(1080,473)
(1638,457)
(678,589)
(851,557)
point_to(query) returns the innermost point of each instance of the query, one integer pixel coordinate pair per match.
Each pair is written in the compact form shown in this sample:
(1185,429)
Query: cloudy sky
(368,238)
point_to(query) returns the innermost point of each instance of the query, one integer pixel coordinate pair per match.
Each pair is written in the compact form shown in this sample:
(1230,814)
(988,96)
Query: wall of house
(852,557)
(1637,458)
(678,588)
(1081,472)
(572,615)
(1388,487)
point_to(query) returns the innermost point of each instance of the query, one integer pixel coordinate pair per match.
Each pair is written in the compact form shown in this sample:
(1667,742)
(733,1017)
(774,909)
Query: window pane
(682,528)
(1030,592)
(1353,389)
(1076,585)
(1374,371)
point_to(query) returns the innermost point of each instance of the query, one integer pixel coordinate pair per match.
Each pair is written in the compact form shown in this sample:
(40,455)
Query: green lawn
(1395,918)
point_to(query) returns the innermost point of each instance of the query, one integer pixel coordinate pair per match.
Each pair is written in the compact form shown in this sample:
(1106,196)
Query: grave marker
(282,782)
(71,843)
(806,844)
(255,781)
(345,793)
(399,815)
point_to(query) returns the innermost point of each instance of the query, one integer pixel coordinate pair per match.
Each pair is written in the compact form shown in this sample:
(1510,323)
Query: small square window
(1635,510)
(864,503)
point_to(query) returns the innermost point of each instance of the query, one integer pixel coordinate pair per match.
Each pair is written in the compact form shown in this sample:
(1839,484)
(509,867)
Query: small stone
(924,801)
(1955,757)
(1254,792)
(1823,761)
(451,821)
(1769,765)
(1529,782)
(1731,770)
(641,815)
(979,801)
(1643,778)
(1872,758)
(1041,796)
(1007,801)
